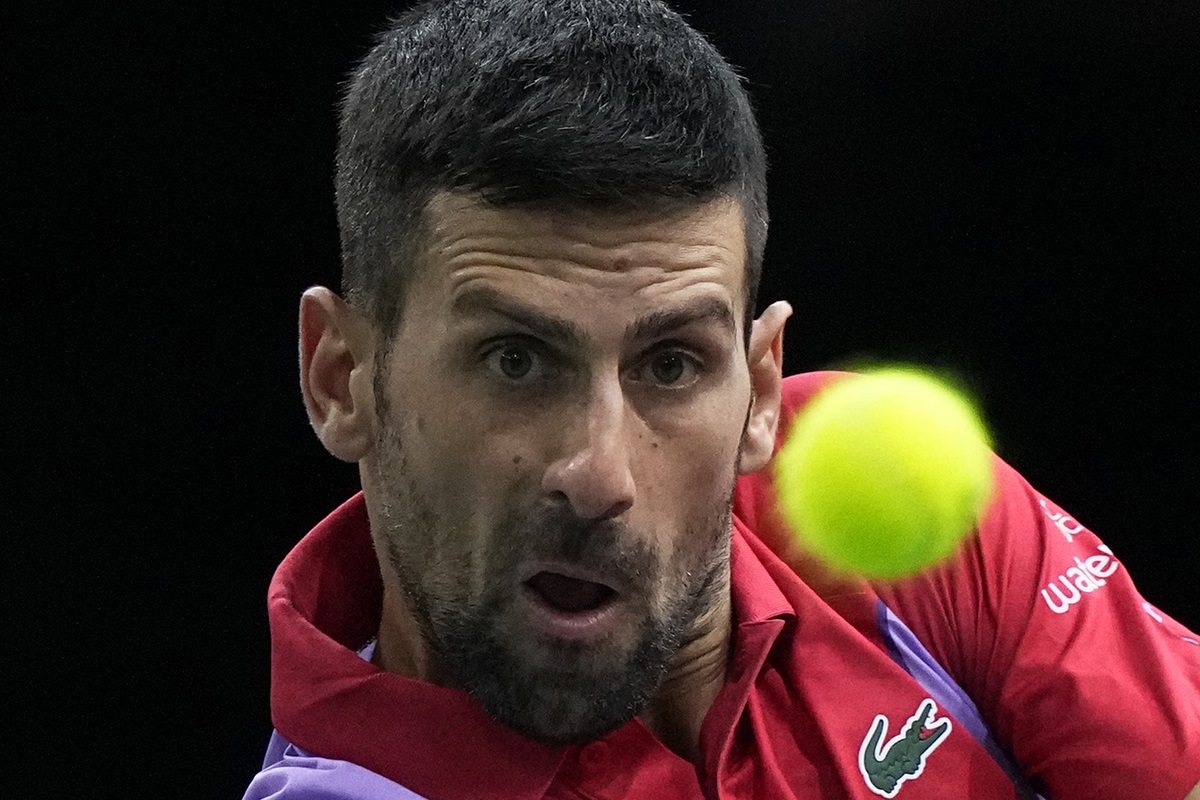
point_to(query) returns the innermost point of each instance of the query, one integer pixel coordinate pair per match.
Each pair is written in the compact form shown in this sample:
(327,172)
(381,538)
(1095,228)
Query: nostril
(593,488)
(594,474)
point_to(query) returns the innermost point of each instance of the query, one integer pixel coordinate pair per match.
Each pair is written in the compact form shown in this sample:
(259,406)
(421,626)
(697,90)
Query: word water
(1088,575)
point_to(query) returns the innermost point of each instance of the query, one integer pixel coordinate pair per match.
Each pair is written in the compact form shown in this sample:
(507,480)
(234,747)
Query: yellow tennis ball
(884,473)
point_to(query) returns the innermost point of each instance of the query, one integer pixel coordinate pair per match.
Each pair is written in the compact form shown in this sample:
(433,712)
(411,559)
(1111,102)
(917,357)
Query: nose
(592,472)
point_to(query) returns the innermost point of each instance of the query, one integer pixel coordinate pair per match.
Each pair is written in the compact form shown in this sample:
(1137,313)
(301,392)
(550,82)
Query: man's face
(558,429)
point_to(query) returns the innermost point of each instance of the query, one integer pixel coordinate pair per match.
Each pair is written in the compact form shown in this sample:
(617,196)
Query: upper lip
(575,571)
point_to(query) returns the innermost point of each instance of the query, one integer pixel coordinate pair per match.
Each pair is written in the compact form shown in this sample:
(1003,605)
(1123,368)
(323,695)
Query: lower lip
(577,626)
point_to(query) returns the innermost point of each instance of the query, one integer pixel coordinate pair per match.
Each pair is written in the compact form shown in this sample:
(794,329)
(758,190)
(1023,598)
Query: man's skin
(490,413)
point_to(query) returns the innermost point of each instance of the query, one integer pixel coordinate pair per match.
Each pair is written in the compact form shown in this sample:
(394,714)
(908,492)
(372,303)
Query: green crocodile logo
(885,768)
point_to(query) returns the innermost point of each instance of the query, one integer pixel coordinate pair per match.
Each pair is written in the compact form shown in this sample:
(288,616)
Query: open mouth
(569,595)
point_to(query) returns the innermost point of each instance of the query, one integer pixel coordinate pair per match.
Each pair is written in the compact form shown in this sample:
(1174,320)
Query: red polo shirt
(1096,693)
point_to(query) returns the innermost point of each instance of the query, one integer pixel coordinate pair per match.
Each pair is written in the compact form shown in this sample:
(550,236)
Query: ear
(336,352)
(765,357)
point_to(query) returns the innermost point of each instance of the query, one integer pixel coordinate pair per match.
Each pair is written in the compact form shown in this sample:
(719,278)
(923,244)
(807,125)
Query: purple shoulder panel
(290,773)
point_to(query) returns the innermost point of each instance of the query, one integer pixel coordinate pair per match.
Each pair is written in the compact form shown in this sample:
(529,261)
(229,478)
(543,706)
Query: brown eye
(517,363)
(668,368)
(514,362)
(673,369)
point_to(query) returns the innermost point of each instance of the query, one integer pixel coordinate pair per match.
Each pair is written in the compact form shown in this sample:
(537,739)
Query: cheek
(703,451)
(474,476)
(696,471)
(440,464)
(444,436)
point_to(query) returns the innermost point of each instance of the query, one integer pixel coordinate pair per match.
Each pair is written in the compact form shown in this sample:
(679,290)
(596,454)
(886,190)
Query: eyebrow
(487,299)
(653,325)
(660,323)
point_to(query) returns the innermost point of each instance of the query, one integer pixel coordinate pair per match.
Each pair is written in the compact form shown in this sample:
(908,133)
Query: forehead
(644,253)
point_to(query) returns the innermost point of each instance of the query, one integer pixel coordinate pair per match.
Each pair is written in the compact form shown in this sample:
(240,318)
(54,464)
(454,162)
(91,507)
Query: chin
(562,694)
(567,718)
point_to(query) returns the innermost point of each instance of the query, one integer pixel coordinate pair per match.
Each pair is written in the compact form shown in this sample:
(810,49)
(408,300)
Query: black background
(1006,191)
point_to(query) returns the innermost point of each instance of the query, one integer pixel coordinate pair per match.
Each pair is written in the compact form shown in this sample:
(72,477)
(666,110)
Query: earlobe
(335,373)
(765,356)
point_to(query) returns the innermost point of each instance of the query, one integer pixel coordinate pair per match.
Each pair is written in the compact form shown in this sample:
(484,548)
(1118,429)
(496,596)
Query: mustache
(605,546)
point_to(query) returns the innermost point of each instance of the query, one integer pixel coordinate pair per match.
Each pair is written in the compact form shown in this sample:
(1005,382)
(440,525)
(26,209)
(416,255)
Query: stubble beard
(566,692)
(562,692)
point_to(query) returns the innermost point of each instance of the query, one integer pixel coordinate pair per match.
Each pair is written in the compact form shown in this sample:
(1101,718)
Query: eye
(516,362)
(672,369)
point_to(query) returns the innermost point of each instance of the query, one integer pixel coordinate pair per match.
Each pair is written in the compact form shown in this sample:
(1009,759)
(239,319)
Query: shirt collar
(756,596)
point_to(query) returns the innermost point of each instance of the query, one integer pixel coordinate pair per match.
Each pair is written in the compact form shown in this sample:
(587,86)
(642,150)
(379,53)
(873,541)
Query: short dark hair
(596,103)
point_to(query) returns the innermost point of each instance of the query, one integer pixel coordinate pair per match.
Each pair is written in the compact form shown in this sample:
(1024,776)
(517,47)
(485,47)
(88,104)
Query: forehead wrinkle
(466,232)
(557,257)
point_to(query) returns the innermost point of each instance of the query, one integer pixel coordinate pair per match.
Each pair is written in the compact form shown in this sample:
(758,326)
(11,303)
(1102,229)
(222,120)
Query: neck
(676,713)
(399,646)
